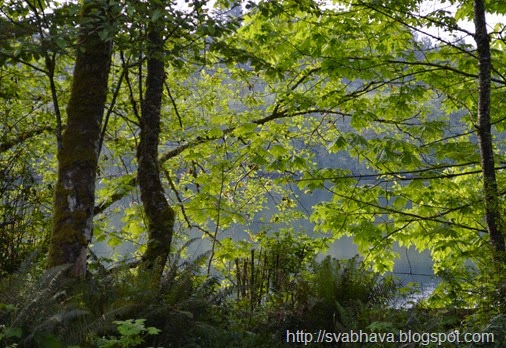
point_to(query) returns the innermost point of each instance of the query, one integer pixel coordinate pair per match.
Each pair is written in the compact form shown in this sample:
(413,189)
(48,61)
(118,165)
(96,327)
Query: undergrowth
(251,304)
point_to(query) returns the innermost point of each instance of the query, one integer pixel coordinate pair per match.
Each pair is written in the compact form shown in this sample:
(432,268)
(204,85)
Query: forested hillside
(148,122)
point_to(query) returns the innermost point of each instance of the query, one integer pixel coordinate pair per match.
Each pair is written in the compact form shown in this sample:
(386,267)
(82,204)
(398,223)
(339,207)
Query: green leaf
(13,332)
(278,150)
(61,43)
(103,34)
(157,14)
(244,129)
(153,330)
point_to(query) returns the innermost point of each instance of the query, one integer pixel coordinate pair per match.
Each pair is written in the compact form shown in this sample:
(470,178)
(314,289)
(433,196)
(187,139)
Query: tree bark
(160,216)
(78,159)
(491,194)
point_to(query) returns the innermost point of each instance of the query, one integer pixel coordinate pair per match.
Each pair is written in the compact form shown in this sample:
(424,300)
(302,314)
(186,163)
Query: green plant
(132,333)
(345,294)
(37,309)
(9,334)
(177,305)
(47,309)
(269,270)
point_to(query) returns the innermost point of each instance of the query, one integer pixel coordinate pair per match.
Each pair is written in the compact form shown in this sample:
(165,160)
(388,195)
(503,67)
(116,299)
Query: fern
(41,303)
(50,308)
(184,295)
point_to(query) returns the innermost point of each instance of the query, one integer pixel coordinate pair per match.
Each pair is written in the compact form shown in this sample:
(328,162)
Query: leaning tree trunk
(160,216)
(491,193)
(78,157)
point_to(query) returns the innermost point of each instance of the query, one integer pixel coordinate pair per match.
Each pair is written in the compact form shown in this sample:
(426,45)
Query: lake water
(411,267)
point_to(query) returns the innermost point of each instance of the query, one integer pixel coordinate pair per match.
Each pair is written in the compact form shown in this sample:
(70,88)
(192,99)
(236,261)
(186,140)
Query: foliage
(267,273)
(280,285)
(48,310)
(342,295)
(36,308)
(25,185)
(266,108)
(497,326)
(132,333)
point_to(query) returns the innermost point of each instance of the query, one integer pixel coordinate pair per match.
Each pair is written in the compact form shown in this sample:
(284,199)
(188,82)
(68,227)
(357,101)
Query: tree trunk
(160,216)
(491,194)
(78,158)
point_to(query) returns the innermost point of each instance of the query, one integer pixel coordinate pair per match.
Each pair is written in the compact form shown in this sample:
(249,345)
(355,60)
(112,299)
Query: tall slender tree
(483,127)
(78,157)
(160,216)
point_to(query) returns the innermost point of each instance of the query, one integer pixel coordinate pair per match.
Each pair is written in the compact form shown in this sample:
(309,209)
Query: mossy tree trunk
(78,158)
(159,214)
(491,193)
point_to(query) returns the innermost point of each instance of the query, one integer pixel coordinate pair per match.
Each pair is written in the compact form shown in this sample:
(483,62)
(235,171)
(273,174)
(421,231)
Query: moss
(78,158)
(75,154)
(69,226)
